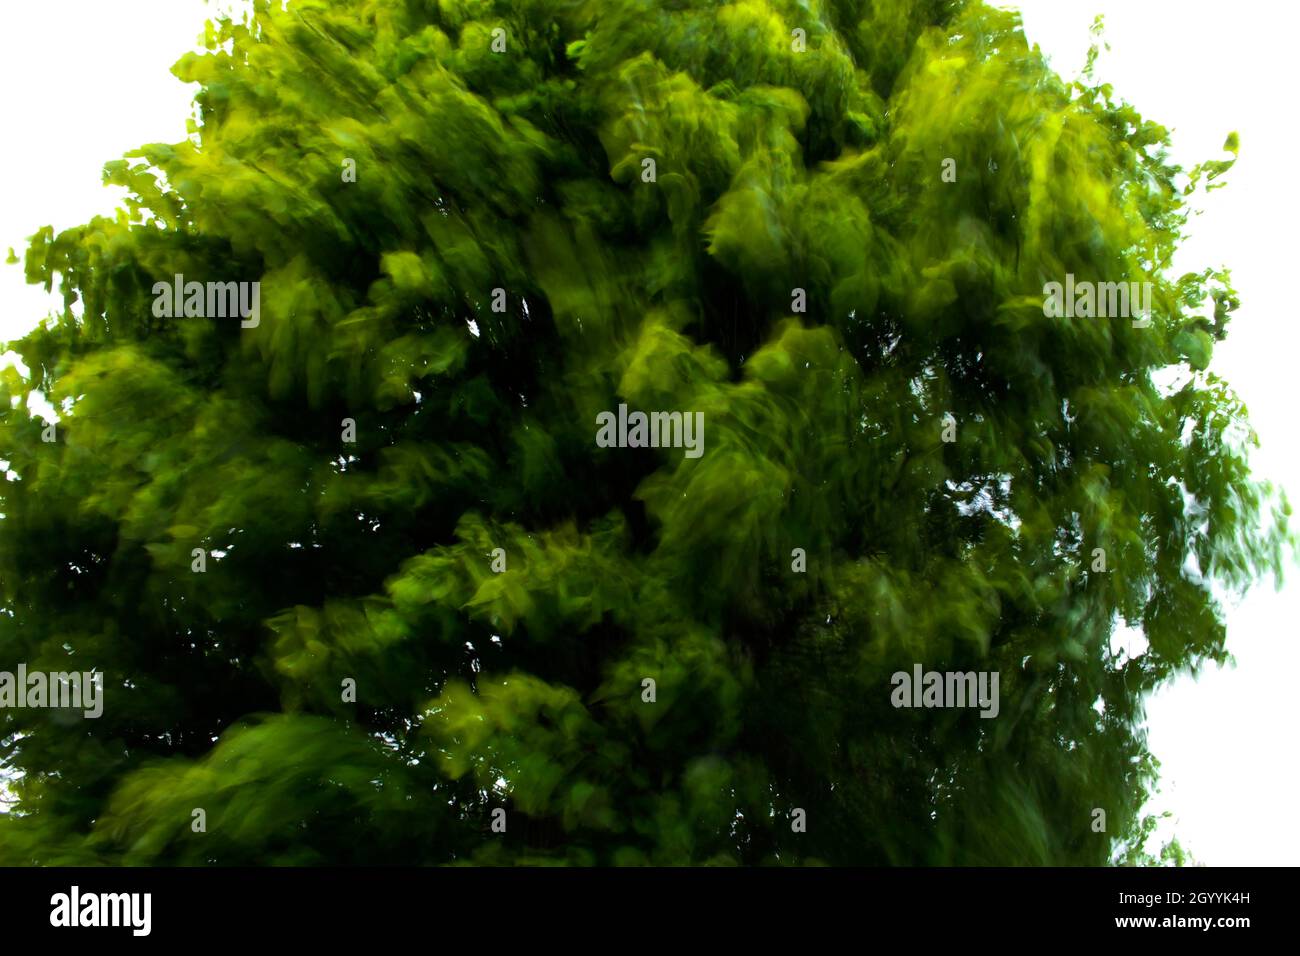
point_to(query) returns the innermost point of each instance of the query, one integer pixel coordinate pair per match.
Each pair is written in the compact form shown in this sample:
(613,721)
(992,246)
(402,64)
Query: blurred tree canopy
(380,167)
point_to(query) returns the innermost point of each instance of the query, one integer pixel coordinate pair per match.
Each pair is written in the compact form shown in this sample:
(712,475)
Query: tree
(358,573)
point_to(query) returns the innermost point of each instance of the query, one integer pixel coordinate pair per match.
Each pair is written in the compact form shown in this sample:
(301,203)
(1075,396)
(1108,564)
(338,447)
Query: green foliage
(776,169)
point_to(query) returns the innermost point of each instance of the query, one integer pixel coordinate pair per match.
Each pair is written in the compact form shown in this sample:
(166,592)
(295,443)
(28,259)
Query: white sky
(84,81)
